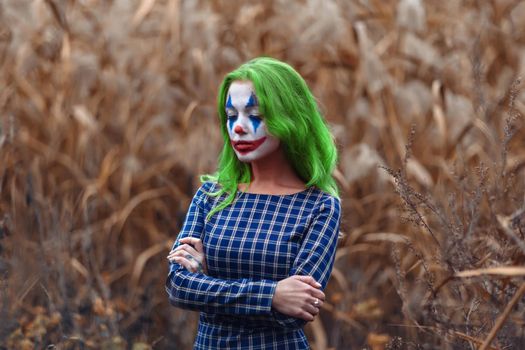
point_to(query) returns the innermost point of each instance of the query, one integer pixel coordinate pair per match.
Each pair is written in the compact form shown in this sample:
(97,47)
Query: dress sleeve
(317,253)
(199,292)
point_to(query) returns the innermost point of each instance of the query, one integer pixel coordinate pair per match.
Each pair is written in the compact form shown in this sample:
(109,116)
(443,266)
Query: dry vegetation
(107,118)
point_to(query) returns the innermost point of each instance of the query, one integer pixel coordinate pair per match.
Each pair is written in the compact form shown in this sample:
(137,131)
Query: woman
(258,243)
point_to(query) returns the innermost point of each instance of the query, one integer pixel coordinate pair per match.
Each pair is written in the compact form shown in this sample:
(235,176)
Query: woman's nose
(239,130)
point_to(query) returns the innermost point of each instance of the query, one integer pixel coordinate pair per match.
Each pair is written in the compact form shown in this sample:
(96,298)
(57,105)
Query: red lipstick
(244,147)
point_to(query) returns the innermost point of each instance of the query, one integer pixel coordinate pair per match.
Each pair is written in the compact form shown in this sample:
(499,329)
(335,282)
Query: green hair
(291,114)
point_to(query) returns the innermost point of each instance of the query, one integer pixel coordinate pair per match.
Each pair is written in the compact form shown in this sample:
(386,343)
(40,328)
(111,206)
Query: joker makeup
(248,134)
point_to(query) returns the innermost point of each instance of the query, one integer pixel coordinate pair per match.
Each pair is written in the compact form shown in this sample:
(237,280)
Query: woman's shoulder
(206,189)
(325,200)
(207,193)
(209,186)
(323,196)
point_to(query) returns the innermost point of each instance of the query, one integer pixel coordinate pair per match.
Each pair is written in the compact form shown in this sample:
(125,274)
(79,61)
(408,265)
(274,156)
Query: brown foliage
(107,117)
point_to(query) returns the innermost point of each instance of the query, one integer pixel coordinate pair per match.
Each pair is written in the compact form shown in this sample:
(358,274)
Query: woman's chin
(246,158)
(254,156)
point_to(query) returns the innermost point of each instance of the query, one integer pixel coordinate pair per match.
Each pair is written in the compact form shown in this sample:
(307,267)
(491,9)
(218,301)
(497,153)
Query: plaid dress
(250,245)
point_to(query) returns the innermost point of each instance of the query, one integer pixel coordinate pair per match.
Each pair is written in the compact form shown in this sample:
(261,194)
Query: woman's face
(248,134)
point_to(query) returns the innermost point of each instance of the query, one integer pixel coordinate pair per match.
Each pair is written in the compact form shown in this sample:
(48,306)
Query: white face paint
(248,134)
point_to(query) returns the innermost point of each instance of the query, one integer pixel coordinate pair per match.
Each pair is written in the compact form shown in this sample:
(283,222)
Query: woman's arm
(196,291)
(199,292)
(316,255)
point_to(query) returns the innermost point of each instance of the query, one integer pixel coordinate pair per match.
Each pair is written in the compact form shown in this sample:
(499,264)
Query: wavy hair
(291,114)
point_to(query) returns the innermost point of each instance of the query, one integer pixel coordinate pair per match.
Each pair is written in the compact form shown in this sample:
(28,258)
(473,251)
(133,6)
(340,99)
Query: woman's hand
(299,297)
(190,254)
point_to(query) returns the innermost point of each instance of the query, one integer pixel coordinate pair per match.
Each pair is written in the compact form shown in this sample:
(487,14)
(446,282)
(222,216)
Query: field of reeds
(108,117)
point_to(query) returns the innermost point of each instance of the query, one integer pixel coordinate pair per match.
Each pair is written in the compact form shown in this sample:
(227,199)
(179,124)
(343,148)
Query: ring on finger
(316,302)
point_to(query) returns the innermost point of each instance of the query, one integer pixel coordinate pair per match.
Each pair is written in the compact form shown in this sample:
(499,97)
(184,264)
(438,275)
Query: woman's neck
(274,174)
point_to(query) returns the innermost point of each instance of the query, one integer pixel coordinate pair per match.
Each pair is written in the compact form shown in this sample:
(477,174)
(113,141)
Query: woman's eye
(254,111)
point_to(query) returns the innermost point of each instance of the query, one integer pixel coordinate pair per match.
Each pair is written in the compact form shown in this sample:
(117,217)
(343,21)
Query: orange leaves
(33,329)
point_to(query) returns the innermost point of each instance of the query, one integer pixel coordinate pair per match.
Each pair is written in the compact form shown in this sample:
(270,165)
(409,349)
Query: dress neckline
(306,190)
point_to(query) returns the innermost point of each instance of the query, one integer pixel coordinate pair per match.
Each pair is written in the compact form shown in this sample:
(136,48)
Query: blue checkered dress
(250,245)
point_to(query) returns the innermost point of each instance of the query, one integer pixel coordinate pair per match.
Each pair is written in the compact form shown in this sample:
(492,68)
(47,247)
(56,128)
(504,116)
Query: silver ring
(316,302)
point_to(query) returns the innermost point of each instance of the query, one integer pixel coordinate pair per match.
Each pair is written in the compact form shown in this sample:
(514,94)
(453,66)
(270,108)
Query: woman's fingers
(182,254)
(192,250)
(311,309)
(186,263)
(317,293)
(314,286)
(315,290)
(318,303)
(189,250)
(194,261)
(189,263)
(308,280)
(305,315)
(184,250)
(197,243)
(175,253)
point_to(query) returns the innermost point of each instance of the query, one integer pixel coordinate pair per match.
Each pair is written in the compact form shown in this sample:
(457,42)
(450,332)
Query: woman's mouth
(244,147)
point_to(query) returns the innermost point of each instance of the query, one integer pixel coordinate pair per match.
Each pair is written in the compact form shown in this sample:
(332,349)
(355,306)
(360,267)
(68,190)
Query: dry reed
(107,117)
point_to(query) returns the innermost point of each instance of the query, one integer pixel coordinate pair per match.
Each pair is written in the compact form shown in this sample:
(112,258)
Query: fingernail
(318,284)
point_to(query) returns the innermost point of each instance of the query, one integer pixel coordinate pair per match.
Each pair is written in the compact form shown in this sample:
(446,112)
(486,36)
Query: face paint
(248,134)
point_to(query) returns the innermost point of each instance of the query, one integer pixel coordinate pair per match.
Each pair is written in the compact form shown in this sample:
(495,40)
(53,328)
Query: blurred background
(108,117)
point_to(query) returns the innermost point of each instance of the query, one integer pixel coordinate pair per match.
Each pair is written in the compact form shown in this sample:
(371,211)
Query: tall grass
(107,117)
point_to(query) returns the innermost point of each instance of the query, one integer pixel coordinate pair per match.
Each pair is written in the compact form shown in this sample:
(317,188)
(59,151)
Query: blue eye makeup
(229,103)
(231,120)
(256,121)
(231,113)
(252,101)
(251,109)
